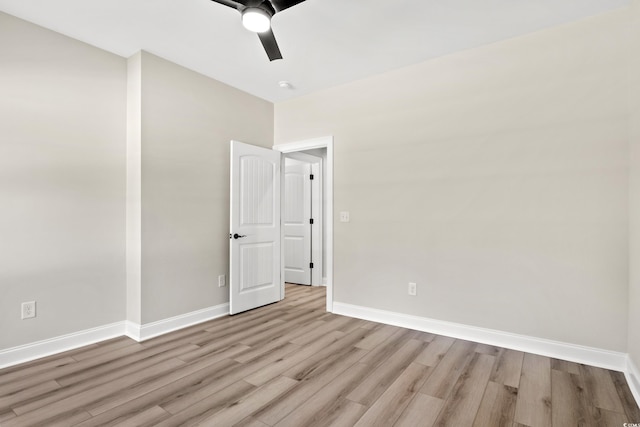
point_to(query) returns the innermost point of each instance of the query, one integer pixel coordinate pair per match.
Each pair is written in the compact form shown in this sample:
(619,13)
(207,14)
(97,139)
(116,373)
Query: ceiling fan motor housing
(256,17)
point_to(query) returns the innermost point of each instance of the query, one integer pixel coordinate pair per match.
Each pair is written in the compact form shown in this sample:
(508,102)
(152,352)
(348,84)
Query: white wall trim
(575,353)
(161,327)
(48,347)
(633,379)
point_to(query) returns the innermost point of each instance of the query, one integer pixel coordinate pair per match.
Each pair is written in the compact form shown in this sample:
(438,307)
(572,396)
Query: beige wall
(634,190)
(187,122)
(62,183)
(496,178)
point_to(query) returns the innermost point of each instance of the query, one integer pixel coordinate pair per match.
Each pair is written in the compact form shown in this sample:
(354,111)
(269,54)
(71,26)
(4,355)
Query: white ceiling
(324,42)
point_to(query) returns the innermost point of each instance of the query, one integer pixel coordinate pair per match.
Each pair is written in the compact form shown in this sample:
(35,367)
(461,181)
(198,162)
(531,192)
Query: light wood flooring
(293,364)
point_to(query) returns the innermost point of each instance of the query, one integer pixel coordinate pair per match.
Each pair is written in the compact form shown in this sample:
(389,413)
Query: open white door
(254,252)
(296,222)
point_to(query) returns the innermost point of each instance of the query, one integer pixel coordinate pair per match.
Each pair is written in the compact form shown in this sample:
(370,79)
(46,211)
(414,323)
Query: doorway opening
(302,217)
(310,157)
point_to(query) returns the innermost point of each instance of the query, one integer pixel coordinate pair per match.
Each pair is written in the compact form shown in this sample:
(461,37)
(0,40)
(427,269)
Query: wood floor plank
(263,348)
(384,350)
(302,319)
(334,351)
(565,366)
(313,412)
(9,400)
(378,336)
(253,321)
(387,409)
(212,343)
(386,373)
(533,406)
(308,386)
(17,373)
(487,349)
(147,418)
(508,367)
(498,406)
(150,385)
(6,415)
(422,411)
(210,405)
(568,401)
(248,404)
(448,370)
(68,419)
(103,349)
(231,376)
(287,362)
(250,422)
(97,378)
(44,413)
(603,417)
(344,413)
(124,364)
(600,389)
(228,352)
(435,351)
(164,395)
(462,407)
(424,336)
(329,326)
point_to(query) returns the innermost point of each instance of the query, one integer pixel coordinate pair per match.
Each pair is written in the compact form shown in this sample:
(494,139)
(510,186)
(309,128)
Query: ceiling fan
(256,17)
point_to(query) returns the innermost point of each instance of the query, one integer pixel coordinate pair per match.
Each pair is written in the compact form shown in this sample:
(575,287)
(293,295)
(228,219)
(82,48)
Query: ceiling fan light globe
(256,20)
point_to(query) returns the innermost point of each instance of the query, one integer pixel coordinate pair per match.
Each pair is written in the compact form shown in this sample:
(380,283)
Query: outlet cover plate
(28,310)
(412,289)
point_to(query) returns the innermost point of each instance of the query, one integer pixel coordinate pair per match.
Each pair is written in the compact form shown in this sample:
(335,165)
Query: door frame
(317,211)
(310,144)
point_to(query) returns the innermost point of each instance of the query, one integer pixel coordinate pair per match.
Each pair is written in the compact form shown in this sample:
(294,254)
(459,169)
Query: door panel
(295,222)
(254,272)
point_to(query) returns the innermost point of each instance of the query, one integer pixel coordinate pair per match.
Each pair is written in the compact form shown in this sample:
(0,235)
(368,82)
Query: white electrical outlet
(412,289)
(344,216)
(222,282)
(28,309)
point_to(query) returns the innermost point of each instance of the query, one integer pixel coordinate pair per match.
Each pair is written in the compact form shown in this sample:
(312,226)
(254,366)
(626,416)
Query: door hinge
(311,221)
(310,265)
(311,177)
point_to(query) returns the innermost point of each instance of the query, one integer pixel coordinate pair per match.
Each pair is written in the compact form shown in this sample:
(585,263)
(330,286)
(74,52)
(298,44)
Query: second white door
(296,222)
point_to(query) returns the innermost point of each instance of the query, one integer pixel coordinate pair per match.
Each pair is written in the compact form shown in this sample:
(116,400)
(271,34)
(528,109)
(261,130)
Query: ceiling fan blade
(280,5)
(270,45)
(233,4)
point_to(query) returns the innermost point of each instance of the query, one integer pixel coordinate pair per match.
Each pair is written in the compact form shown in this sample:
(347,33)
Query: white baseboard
(633,379)
(38,349)
(575,353)
(161,327)
(25,353)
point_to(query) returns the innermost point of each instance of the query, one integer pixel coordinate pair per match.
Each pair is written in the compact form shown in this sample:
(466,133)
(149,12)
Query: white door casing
(254,248)
(322,142)
(295,222)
